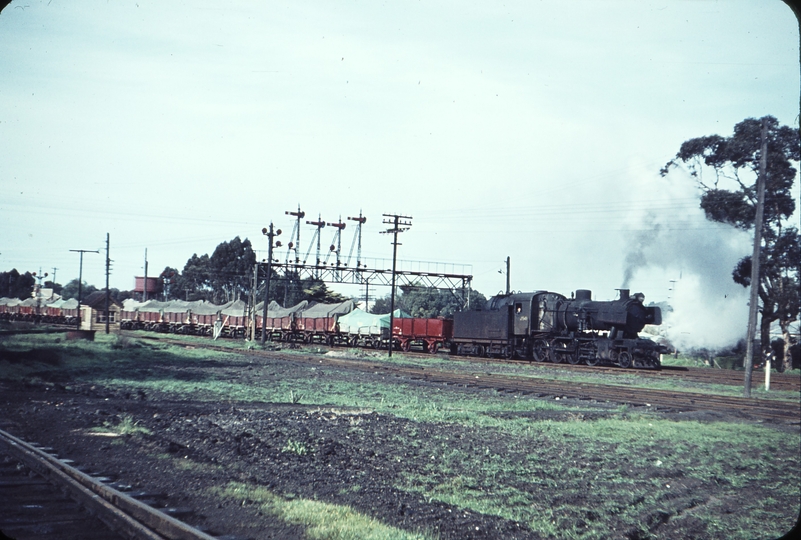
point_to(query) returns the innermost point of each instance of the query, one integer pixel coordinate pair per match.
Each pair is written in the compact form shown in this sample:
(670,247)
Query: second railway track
(764,409)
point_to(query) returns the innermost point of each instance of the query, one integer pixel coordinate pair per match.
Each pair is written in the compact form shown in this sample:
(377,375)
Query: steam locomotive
(546,326)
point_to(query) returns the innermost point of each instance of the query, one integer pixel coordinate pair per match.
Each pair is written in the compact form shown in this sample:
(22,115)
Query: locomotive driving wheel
(540,350)
(559,352)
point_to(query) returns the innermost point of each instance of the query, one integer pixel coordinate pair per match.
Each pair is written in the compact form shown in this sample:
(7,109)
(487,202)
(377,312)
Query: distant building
(93,313)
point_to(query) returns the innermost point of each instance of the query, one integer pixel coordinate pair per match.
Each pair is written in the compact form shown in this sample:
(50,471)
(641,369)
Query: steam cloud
(709,310)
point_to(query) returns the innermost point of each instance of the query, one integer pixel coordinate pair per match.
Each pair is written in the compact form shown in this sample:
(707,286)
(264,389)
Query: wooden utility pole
(108,292)
(254,300)
(754,297)
(397,226)
(80,279)
(144,285)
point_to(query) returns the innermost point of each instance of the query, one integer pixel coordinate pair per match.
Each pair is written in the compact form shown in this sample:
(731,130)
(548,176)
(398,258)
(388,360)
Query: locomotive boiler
(547,326)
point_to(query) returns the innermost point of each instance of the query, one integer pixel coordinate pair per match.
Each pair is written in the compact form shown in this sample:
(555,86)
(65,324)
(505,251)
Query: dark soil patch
(51,357)
(378,464)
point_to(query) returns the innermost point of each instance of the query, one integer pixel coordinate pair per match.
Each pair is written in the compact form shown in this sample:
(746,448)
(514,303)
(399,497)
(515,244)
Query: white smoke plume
(709,310)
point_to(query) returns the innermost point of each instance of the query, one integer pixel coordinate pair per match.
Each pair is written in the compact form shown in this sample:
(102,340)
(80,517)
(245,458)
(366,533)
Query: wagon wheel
(478,350)
(330,340)
(624,359)
(509,352)
(434,348)
(406,345)
(541,350)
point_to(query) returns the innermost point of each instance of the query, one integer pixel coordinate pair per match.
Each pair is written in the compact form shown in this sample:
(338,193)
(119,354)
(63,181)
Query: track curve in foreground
(122,516)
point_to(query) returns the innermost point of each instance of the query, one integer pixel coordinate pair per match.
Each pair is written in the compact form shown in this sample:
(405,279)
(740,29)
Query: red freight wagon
(430,334)
(175,317)
(126,315)
(205,319)
(273,326)
(129,319)
(319,328)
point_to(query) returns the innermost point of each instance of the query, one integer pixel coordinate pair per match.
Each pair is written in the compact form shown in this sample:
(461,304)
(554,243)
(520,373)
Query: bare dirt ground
(345,456)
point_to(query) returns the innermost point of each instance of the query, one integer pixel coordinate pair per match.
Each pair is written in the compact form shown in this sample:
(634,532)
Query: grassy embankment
(572,472)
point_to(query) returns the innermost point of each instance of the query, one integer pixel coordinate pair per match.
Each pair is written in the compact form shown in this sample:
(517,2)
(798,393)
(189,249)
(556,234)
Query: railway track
(45,497)
(778,381)
(764,409)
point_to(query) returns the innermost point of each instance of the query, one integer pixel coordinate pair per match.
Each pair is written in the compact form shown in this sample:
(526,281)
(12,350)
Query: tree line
(725,170)
(227,275)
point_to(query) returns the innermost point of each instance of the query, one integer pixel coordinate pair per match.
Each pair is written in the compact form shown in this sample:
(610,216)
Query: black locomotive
(546,326)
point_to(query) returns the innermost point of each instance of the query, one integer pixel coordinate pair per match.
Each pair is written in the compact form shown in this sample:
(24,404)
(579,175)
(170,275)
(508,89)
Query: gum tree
(725,169)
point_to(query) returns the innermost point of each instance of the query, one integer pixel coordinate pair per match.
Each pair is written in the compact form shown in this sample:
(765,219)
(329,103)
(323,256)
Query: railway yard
(311,441)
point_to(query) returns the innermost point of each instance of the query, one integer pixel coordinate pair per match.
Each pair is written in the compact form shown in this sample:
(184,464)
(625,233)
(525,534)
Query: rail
(124,515)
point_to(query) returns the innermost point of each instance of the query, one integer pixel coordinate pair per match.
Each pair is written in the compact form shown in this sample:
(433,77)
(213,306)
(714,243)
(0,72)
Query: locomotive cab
(531,312)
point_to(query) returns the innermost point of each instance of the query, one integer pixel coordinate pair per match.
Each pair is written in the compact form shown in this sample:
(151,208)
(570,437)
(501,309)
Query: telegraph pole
(397,226)
(144,286)
(108,292)
(269,233)
(754,298)
(254,300)
(80,279)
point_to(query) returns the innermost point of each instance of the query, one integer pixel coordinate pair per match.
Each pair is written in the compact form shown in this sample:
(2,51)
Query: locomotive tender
(547,326)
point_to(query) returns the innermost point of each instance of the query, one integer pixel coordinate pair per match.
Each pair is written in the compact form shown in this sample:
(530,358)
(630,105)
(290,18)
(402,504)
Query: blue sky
(533,130)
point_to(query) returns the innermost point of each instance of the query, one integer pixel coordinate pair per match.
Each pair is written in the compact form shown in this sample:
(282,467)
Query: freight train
(541,326)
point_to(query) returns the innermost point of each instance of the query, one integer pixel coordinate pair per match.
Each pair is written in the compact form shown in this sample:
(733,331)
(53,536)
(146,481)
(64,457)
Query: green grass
(586,464)
(323,521)
(565,477)
(126,426)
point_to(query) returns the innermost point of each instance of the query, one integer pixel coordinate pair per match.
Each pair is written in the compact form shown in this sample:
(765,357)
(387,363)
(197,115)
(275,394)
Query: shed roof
(97,300)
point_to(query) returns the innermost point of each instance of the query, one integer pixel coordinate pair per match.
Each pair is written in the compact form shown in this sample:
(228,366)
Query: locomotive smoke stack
(624,294)
(583,294)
